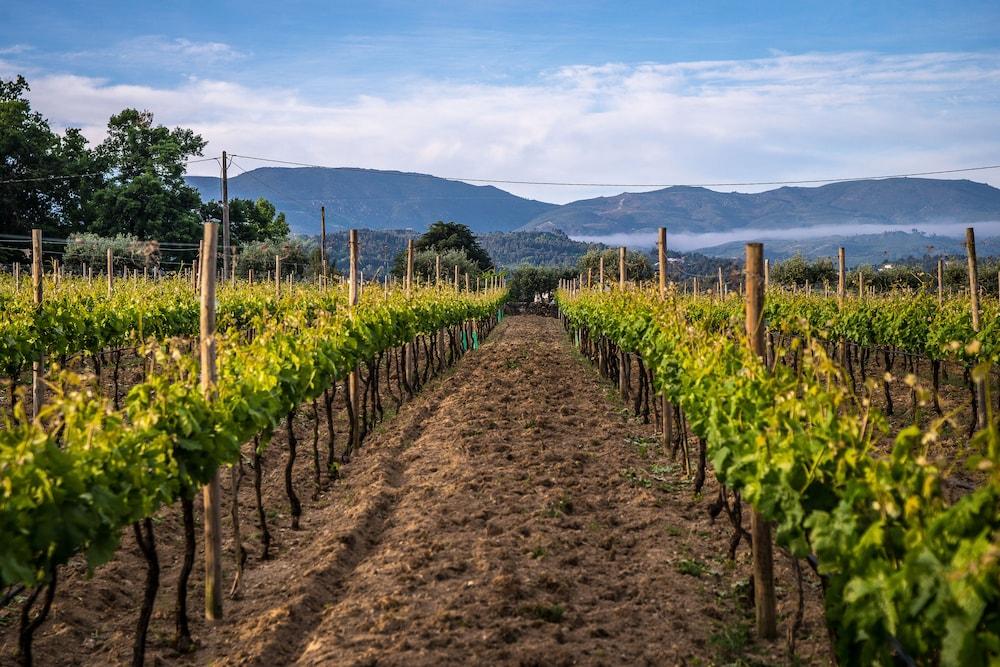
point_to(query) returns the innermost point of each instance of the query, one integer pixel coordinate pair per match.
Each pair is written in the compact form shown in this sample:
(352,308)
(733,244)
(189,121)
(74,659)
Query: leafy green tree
(637,266)
(146,195)
(797,270)
(528,281)
(299,257)
(441,237)
(42,182)
(91,250)
(249,221)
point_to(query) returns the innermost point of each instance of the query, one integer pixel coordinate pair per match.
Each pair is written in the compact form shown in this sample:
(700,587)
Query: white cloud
(785,117)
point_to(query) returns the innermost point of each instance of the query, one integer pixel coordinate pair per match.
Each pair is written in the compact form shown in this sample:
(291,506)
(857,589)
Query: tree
(249,221)
(528,281)
(299,257)
(47,185)
(637,266)
(442,237)
(146,195)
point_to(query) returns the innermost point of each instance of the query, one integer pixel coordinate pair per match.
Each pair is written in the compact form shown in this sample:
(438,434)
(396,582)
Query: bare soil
(512,513)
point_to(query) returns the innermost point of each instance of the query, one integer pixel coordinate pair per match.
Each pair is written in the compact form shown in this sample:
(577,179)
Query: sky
(581,92)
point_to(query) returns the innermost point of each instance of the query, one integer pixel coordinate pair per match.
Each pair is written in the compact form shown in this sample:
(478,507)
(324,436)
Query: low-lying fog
(686,242)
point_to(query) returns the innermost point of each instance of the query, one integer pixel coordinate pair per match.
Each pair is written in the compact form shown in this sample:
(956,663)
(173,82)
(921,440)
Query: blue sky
(585,91)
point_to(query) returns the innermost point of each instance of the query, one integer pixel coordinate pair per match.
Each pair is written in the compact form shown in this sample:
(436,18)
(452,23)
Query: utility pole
(225,218)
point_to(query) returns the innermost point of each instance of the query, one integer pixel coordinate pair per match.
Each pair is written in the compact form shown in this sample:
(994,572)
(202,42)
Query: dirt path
(509,514)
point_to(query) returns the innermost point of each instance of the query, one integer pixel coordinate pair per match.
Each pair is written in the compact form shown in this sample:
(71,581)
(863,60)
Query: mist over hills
(811,220)
(886,202)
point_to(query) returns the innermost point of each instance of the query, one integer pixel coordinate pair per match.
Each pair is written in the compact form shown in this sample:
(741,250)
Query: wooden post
(719,293)
(980,385)
(590,277)
(841,277)
(250,276)
(767,273)
(600,269)
(211,493)
(409,349)
(623,359)
(861,283)
(695,287)
(277,276)
(17,276)
(37,365)
(456,277)
(621,268)
(466,282)
(322,244)
(354,380)
(661,247)
(225,218)
(437,270)
(111,271)
(763,557)
(667,408)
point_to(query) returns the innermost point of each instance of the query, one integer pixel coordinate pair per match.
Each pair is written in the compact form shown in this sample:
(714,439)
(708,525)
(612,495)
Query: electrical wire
(658,185)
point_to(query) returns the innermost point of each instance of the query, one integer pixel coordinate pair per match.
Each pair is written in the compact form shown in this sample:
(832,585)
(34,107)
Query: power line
(659,185)
(34,179)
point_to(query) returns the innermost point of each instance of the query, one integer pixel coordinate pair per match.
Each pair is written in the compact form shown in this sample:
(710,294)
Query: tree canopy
(146,195)
(42,174)
(444,237)
(249,221)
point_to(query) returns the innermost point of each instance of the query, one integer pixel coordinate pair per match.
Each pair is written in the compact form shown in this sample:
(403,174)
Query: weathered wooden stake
(277,276)
(211,493)
(37,365)
(980,385)
(111,271)
(763,556)
(354,380)
(668,409)
(600,269)
(322,244)
(621,268)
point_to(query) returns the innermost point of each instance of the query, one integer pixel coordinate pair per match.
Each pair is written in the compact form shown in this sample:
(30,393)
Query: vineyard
(508,505)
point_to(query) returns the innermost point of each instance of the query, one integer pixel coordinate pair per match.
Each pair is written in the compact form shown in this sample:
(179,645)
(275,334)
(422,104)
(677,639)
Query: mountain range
(373,199)
(886,202)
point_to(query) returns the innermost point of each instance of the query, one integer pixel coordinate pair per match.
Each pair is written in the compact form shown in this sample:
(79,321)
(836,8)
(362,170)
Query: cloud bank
(784,117)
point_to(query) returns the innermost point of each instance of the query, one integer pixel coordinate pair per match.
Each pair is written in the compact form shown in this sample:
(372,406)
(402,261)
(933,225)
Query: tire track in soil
(516,519)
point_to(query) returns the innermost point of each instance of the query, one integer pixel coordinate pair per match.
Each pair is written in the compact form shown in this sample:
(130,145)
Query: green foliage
(71,479)
(92,250)
(527,282)
(146,195)
(442,237)
(900,562)
(637,266)
(249,221)
(31,150)
(513,249)
(299,257)
(797,270)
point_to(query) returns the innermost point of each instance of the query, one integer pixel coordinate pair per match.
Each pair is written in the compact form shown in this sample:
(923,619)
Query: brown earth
(512,513)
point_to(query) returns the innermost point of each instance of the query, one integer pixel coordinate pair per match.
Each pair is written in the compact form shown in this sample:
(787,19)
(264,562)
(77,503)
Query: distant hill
(511,249)
(864,248)
(893,201)
(373,199)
